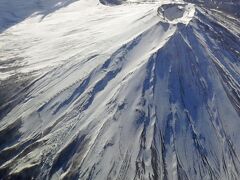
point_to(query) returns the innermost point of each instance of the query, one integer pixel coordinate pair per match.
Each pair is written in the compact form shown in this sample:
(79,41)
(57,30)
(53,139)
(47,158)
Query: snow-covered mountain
(119,90)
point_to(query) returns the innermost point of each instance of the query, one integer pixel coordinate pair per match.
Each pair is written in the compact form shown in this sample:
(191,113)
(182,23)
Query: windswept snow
(126,90)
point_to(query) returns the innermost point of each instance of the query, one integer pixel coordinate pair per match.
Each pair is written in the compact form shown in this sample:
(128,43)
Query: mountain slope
(135,91)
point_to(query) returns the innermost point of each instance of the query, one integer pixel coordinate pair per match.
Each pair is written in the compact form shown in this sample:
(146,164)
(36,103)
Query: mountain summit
(124,90)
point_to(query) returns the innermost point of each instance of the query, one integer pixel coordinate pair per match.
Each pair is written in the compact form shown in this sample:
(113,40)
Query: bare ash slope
(146,90)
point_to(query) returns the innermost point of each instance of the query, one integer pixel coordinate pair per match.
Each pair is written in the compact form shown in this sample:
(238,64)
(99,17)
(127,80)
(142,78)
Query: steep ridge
(141,91)
(228,6)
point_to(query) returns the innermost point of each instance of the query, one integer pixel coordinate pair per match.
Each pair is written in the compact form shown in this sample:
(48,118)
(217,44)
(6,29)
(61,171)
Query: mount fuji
(120,90)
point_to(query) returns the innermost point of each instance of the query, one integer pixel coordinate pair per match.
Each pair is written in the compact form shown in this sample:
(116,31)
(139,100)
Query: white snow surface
(141,90)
